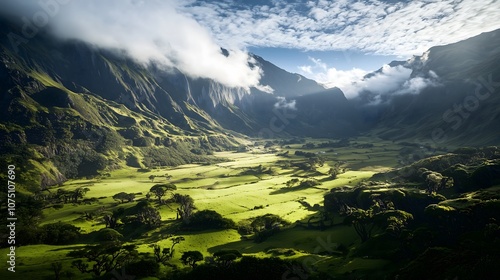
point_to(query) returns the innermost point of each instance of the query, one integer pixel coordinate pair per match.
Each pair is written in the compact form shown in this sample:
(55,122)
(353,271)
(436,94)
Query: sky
(334,42)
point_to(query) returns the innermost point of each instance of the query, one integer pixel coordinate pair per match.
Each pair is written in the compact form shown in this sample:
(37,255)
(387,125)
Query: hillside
(61,98)
(457,101)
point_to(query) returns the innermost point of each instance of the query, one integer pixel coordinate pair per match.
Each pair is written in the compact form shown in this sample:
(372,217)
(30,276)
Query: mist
(146,31)
(282,103)
(380,85)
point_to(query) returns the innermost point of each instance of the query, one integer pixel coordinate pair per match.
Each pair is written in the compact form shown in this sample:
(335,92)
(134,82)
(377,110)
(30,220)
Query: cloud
(343,79)
(148,31)
(383,27)
(284,104)
(266,88)
(331,77)
(417,84)
(389,80)
(355,82)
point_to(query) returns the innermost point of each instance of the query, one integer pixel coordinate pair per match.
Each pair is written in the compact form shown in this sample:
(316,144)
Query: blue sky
(296,60)
(334,42)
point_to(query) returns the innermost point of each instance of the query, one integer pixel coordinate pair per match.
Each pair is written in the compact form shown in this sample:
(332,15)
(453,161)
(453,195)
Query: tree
(78,193)
(63,196)
(111,218)
(152,178)
(225,258)
(362,221)
(121,196)
(267,222)
(57,268)
(104,257)
(163,256)
(316,161)
(209,219)
(58,233)
(396,221)
(266,225)
(186,207)
(160,190)
(130,197)
(435,181)
(335,170)
(149,216)
(292,182)
(191,257)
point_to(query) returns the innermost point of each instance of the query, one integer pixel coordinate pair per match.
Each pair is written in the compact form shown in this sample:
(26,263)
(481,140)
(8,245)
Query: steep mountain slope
(71,110)
(458,101)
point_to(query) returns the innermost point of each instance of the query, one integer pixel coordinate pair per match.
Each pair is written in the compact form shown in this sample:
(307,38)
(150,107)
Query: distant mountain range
(61,99)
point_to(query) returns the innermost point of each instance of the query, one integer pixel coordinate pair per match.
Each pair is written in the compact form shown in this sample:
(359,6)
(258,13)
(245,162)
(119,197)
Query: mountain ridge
(58,95)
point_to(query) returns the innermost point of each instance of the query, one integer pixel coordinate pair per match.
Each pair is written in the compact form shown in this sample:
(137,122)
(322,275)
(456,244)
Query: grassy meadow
(227,189)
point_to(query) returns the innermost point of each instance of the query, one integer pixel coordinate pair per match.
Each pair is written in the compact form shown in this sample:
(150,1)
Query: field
(235,194)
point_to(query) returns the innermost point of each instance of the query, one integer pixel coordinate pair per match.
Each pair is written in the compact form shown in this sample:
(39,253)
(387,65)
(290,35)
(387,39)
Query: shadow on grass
(75,247)
(294,189)
(296,237)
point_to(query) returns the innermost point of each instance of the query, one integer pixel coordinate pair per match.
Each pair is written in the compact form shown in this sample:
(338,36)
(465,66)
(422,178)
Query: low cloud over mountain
(147,31)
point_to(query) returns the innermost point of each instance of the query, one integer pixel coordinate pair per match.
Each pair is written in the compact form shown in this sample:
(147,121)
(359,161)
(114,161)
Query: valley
(224,188)
(242,186)
(130,155)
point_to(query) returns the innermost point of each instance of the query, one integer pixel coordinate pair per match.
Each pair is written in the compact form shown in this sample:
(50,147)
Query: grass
(223,188)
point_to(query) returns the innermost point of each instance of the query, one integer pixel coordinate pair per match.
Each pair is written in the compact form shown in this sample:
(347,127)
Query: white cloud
(307,69)
(149,31)
(331,77)
(284,104)
(266,88)
(344,79)
(388,81)
(417,84)
(402,28)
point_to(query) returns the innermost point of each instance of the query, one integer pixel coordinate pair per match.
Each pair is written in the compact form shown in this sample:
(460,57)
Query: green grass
(223,188)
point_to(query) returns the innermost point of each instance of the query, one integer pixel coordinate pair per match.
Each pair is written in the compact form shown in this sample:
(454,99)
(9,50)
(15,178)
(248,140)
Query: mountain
(457,101)
(71,110)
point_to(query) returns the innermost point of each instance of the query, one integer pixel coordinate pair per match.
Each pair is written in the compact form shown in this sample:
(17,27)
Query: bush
(209,219)
(58,206)
(108,234)
(59,233)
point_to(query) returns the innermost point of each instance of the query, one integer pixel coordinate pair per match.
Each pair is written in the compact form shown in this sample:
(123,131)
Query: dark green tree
(165,254)
(111,218)
(121,196)
(362,221)
(160,190)
(225,258)
(186,207)
(191,258)
(149,216)
(78,193)
(103,258)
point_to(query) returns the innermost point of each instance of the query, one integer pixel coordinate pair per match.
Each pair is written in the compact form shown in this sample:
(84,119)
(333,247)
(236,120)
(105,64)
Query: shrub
(209,219)
(59,233)
(108,234)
